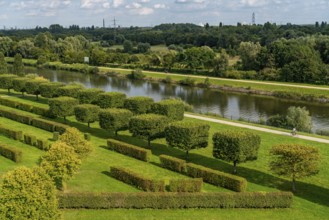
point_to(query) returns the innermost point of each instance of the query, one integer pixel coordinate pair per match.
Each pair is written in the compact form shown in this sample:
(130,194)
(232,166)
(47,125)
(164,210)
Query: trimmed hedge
(138,104)
(8,102)
(216,177)
(11,153)
(186,185)
(19,84)
(69,90)
(172,108)
(175,200)
(49,89)
(49,125)
(30,139)
(114,119)
(135,179)
(129,150)
(16,116)
(14,134)
(43,144)
(111,99)
(88,96)
(173,163)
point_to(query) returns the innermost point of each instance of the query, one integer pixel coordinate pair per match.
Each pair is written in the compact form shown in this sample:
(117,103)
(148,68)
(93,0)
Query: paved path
(256,128)
(234,80)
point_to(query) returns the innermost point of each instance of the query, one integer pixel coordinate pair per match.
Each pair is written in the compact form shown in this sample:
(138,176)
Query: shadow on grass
(310,192)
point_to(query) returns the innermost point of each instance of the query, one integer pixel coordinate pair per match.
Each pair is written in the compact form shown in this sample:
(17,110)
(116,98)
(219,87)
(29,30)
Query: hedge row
(185,185)
(49,125)
(33,141)
(175,200)
(19,117)
(11,133)
(137,180)
(130,150)
(11,153)
(216,177)
(173,163)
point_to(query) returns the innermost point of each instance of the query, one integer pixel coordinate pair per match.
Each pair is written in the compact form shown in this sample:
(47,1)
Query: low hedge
(11,153)
(135,179)
(8,102)
(185,185)
(216,177)
(43,144)
(49,125)
(11,133)
(16,116)
(30,139)
(173,163)
(130,150)
(160,200)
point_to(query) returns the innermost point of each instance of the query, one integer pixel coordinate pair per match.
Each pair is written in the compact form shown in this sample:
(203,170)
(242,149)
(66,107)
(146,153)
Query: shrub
(11,133)
(217,178)
(49,90)
(172,108)
(8,102)
(187,135)
(111,99)
(236,147)
(88,96)
(279,121)
(138,104)
(32,86)
(188,81)
(25,107)
(175,200)
(136,75)
(10,153)
(43,111)
(148,126)
(6,81)
(55,136)
(62,106)
(173,163)
(185,185)
(130,150)
(86,113)
(87,136)
(43,144)
(16,116)
(30,139)
(69,90)
(19,84)
(43,124)
(135,179)
(114,119)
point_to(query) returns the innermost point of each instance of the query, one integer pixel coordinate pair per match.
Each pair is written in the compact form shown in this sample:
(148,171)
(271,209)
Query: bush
(43,112)
(24,107)
(19,84)
(86,113)
(175,200)
(43,124)
(217,178)
(279,121)
(32,86)
(16,116)
(69,90)
(136,75)
(10,153)
(188,81)
(62,106)
(30,139)
(111,99)
(186,185)
(6,81)
(43,144)
(148,126)
(8,102)
(88,96)
(141,182)
(173,163)
(114,119)
(172,108)
(49,90)
(138,104)
(11,133)
(130,150)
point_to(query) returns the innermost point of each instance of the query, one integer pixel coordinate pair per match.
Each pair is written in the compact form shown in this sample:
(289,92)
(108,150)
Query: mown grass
(310,201)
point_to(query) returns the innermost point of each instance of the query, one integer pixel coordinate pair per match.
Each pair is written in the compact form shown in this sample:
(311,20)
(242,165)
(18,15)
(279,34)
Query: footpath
(320,140)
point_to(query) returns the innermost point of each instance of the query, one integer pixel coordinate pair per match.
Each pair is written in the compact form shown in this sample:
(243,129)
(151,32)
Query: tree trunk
(116,133)
(234,166)
(37,97)
(186,155)
(149,143)
(88,125)
(8,91)
(293,184)
(65,119)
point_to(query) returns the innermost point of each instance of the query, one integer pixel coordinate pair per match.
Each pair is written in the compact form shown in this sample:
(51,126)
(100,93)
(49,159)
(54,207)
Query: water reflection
(230,105)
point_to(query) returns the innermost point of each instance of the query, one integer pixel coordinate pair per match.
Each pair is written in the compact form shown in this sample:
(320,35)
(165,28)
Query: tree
(3,64)
(88,96)
(71,90)
(143,47)
(6,81)
(18,66)
(236,147)
(33,86)
(62,106)
(248,52)
(294,161)
(111,99)
(74,138)
(187,135)
(221,64)
(49,89)
(28,194)
(138,104)
(114,119)
(86,113)
(148,126)
(299,118)
(172,108)
(19,84)
(128,46)
(60,163)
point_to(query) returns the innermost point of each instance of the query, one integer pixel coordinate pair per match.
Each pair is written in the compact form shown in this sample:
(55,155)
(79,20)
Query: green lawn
(310,202)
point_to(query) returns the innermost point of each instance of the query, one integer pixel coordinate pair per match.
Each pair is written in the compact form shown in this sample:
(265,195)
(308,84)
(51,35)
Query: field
(310,201)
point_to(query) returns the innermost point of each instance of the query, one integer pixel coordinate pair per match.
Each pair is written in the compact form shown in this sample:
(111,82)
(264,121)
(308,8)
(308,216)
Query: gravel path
(256,128)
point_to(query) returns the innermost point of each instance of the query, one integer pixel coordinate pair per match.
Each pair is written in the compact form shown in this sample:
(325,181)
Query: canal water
(230,105)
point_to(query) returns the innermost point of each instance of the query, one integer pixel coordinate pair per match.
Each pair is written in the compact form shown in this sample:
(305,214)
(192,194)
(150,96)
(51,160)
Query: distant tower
(253,22)
(115,29)
(103,23)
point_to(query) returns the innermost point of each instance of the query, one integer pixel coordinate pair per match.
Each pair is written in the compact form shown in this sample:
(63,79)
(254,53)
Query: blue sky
(30,13)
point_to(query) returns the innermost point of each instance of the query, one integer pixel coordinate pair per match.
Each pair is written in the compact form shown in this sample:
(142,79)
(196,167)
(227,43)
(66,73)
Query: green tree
(49,89)
(60,163)
(74,138)
(19,84)
(172,108)
(71,90)
(187,135)
(143,47)
(110,99)
(6,81)
(3,64)
(128,46)
(62,106)
(138,104)
(220,64)
(86,113)
(248,52)
(18,66)
(148,126)
(294,161)
(236,147)
(299,118)
(114,119)
(28,194)
(88,96)
(32,86)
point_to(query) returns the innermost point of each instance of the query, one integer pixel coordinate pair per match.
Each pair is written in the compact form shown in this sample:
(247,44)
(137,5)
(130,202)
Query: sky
(145,13)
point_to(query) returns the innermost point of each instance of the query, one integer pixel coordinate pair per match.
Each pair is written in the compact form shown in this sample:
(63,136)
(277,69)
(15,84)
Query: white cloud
(133,5)
(94,4)
(190,1)
(117,3)
(145,11)
(144,1)
(160,6)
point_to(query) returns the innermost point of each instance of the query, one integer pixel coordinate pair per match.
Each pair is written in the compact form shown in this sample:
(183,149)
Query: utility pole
(115,29)
(253,22)
(103,23)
